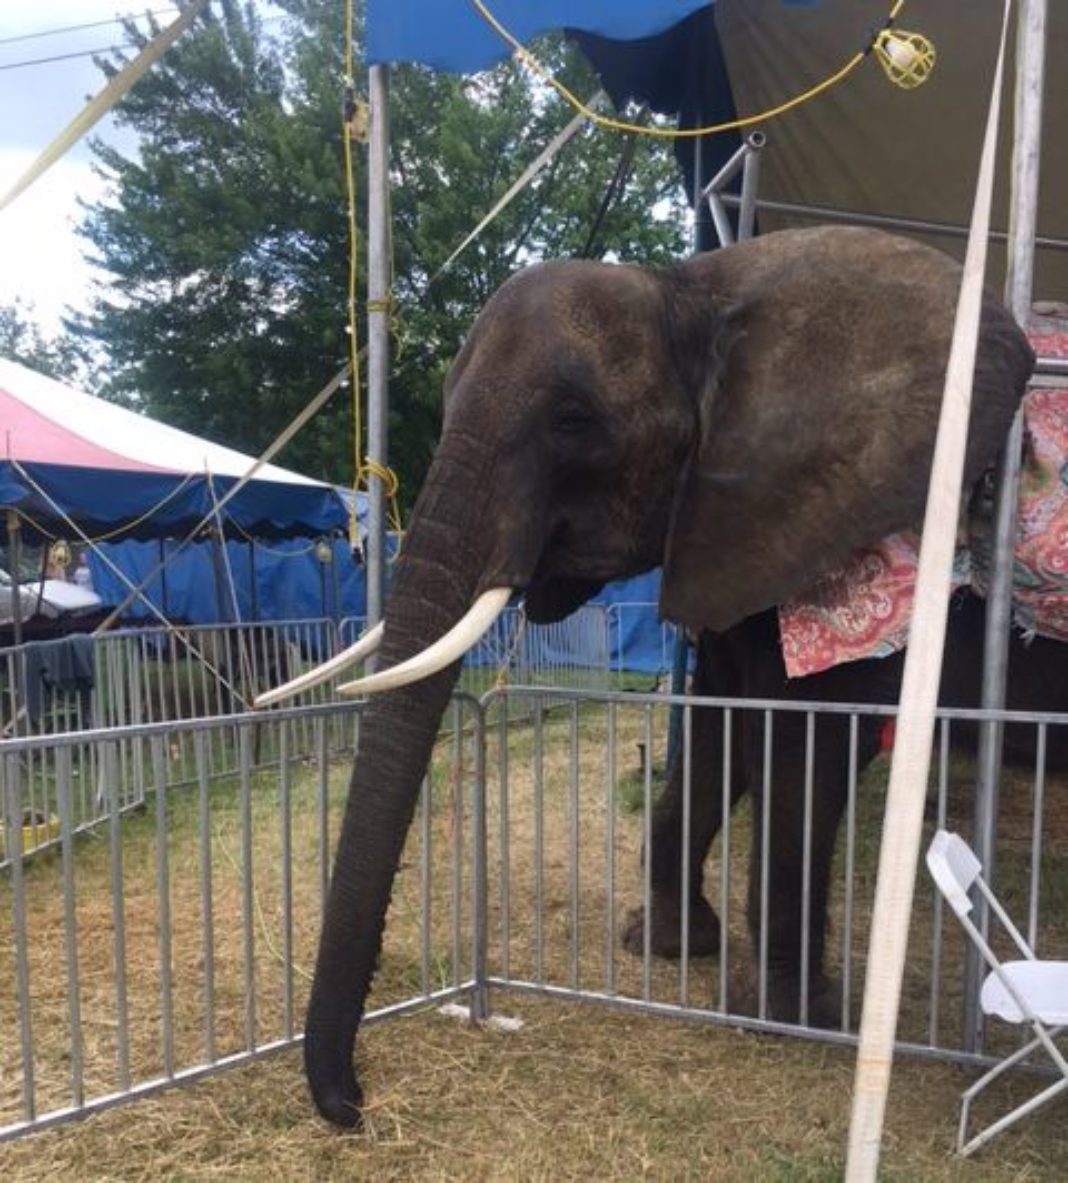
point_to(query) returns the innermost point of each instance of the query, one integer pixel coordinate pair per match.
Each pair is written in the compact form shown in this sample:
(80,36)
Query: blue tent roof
(453,35)
(69,457)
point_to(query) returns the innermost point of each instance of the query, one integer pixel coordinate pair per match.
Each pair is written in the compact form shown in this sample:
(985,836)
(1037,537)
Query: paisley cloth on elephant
(862,609)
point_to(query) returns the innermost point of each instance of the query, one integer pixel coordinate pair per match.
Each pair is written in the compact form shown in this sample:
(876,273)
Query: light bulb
(906,58)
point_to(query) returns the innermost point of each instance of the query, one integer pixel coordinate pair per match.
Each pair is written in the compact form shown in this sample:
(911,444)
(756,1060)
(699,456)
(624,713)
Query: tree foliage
(23,340)
(226,236)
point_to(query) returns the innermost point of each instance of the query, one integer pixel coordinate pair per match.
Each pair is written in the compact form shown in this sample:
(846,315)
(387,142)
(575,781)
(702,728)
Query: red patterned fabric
(863,609)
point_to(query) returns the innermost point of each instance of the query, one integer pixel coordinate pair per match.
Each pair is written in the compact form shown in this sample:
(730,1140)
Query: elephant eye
(572,418)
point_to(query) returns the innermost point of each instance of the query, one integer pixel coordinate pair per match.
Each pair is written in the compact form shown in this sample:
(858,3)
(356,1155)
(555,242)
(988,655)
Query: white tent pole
(1019,276)
(903,824)
(378,314)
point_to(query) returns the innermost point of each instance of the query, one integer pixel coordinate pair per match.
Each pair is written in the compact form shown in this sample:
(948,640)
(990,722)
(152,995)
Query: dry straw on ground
(577,1093)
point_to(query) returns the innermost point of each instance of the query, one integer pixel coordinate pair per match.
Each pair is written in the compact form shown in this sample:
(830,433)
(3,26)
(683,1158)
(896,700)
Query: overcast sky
(41,259)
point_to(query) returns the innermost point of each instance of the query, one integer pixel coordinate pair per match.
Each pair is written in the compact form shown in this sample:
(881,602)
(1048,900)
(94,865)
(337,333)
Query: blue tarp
(640,642)
(453,35)
(151,504)
(290,581)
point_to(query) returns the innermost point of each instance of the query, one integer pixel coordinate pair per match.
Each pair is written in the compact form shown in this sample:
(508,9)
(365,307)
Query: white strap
(99,106)
(903,823)
(529,173)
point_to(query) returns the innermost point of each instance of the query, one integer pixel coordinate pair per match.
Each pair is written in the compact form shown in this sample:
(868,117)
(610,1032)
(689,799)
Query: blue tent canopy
(453,35)
(73,462)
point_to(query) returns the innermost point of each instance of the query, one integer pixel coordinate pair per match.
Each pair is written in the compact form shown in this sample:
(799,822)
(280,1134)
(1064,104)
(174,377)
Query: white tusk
(443,652)
(364,647)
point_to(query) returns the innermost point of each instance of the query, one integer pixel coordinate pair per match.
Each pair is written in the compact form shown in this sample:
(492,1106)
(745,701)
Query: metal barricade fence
(178,940)
(571,811)
(572,652)
(640,642)
(149,675)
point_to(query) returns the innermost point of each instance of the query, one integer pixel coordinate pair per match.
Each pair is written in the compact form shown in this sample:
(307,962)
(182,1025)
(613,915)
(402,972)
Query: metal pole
(681,656)
(378,295)
(1023,226)
(13,558)
(754,142)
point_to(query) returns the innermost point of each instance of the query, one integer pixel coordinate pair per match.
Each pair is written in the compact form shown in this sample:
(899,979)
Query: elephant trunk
(433,586)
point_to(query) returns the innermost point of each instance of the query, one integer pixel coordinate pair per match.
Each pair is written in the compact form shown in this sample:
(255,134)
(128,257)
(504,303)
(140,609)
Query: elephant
(746,661)
(744,419)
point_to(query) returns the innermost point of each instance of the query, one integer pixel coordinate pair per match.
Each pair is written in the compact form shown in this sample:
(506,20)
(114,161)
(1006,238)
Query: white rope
(137,591)
(99,106)
(903,824)
(529,173)
(312,409)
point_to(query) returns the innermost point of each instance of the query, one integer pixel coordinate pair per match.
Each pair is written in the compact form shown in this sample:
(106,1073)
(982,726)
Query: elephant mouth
(550,598)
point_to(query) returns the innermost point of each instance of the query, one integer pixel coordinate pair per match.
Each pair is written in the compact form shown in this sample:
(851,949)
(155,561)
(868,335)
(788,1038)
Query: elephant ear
(818,436)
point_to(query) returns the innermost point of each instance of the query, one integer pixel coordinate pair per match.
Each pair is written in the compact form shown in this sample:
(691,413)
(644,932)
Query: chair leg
(1002,1123)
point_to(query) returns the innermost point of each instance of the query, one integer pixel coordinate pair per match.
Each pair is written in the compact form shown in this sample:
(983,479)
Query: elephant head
(746,419)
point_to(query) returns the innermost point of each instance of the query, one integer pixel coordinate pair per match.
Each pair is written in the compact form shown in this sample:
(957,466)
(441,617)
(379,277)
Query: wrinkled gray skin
(747,419)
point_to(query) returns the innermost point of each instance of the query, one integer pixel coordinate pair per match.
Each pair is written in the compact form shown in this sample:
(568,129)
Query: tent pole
(253,597)
(1019,277)
(13,558)
(163,576)
(378,314)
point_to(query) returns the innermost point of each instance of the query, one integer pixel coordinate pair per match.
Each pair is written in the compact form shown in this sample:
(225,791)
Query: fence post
(480,1008)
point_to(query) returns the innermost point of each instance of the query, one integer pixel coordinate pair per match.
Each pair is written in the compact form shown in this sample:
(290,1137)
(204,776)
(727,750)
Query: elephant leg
(670,897)
(778,902)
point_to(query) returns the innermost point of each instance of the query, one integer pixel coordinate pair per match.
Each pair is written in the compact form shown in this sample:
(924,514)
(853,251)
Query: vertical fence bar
(539,840)
(163,895)
(725,862)
(285,822)
(1039,796)
(247,901)
(457,844)
(765,859)
(505,829)
(850,873)
(15,855)
(479,877)
(684,868)
(610,852)
(574,834)
(937,912)
(207,905)
(647,849)
(322,814)
(806,865)
(118,914)
(426,897)
(64,792)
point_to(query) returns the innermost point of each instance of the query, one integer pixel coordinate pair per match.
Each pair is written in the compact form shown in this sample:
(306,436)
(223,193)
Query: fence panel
(575,911)
(178,940)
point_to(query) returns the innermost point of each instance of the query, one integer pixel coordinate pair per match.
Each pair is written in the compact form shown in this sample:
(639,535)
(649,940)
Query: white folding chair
(1029,991)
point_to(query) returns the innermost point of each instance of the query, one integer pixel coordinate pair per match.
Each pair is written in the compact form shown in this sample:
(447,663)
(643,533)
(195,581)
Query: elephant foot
(824,999)
(665,935)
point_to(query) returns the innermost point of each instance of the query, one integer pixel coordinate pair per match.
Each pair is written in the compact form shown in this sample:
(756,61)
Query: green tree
(23,340)
(226,238)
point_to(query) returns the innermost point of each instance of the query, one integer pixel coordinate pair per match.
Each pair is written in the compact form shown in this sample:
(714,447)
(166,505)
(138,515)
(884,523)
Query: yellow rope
(236,526)
(119,531)
(674,133)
